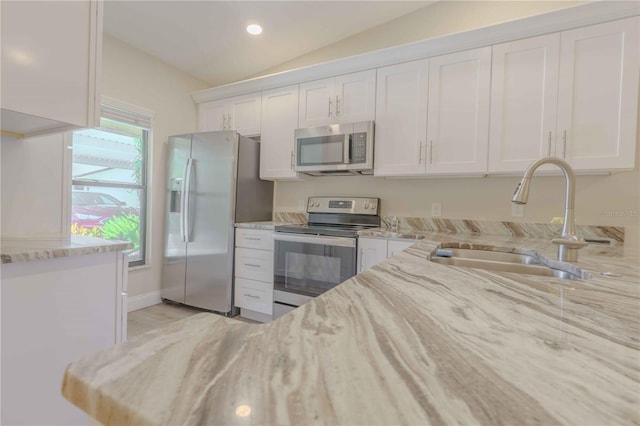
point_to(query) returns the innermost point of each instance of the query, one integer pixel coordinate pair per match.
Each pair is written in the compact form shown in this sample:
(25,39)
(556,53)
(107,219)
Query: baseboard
(143,300)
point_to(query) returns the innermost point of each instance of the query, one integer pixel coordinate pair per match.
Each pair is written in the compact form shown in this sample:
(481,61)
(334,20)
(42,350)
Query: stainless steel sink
(498,261)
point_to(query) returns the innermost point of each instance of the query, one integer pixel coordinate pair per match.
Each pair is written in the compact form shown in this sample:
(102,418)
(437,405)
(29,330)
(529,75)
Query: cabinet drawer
(254,238)
(254,264)
(254,295)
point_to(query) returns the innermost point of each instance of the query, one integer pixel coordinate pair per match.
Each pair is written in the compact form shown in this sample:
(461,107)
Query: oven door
(310,264)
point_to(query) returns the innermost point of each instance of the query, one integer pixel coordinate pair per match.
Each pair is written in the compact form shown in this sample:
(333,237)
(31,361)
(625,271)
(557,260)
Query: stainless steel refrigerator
(213,181)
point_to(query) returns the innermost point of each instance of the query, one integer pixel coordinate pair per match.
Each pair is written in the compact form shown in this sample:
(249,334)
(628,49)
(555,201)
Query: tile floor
(149,318)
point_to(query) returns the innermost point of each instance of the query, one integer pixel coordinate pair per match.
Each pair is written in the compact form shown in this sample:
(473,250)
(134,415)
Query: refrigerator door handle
(182,199)
(187,197)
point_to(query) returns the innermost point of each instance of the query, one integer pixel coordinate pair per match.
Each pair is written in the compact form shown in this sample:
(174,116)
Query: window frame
(122,112)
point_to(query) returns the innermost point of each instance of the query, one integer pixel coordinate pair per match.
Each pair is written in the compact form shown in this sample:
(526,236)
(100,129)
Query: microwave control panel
(359,148)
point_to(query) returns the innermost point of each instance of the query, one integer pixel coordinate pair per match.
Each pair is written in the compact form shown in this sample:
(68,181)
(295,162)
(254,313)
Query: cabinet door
(598,95)
(244,114)
(394,247)
(370,252)
(458,119)
(212,116)
(524,93)
(50,53)
(317,103)
(401,118)
(279,120)
(355,97)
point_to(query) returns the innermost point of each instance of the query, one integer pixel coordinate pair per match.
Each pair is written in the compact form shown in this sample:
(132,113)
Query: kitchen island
(408,341)
(61,299)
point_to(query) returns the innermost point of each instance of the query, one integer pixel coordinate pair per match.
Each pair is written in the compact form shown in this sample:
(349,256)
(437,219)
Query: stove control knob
(373,206)
(317,204)
(366,205)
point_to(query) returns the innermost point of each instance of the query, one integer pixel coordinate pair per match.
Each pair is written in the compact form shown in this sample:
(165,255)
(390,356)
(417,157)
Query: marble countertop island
(408,342)
(26,250)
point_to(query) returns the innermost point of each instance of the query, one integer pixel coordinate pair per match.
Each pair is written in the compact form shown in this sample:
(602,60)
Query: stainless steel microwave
(337,149)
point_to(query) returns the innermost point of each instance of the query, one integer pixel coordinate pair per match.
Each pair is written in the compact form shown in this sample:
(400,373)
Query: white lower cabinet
(372,251)
(55,311)
(253,277)
(254,295)
(394,246)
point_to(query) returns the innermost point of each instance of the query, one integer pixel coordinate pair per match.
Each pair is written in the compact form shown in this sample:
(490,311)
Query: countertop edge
(18,251)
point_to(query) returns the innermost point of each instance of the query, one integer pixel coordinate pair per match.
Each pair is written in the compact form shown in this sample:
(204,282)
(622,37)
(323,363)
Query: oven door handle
(315,239)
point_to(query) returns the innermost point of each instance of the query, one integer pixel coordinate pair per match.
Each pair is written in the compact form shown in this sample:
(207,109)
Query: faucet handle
(574,244)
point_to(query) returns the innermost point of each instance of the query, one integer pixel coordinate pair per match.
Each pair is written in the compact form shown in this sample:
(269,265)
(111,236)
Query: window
(109,178)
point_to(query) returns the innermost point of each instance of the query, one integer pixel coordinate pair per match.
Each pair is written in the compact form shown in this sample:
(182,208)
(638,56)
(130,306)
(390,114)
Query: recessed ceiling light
(254,29)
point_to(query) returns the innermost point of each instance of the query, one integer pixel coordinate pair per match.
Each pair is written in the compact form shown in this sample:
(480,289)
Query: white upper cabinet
(343,99)
(432,115)
(571,95)
(401,119)
(241,113)
(279,121)
(212,116)
(458,112)
(50,65)
(524,92)
(598,95)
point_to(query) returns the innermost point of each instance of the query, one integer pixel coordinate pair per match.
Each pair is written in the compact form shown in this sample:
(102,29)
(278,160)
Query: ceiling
(208,40)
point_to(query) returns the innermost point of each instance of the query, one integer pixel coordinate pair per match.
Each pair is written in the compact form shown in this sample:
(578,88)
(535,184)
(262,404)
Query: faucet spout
(569,243)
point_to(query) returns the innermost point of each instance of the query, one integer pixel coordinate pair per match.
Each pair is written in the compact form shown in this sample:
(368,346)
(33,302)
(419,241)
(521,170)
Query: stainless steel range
(312,258)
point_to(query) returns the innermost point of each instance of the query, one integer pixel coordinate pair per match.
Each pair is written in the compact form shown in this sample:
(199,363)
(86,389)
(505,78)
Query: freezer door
(175,245)
(209,225)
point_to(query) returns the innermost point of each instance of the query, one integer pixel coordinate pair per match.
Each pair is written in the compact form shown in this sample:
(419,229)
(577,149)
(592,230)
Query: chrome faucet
(568,243)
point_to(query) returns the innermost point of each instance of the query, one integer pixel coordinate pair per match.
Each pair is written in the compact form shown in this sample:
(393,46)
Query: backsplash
(465,226)
(516,229)
(290,217)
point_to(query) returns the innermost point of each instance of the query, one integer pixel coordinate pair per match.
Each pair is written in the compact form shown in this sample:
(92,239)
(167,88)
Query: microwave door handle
(347,148)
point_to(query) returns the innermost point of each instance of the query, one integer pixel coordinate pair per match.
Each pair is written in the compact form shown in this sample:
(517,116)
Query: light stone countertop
(408,341)
(26,250)
(267,225)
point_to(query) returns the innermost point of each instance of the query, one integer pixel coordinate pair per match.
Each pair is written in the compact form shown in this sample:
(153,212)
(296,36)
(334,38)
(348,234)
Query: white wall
(600,200)
(442,18)
(136,78)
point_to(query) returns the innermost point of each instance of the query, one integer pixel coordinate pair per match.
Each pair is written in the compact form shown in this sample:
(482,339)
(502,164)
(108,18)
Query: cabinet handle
(431,151)
(420,153)
(337,106)
(253,239)
(361,259)
(292,160)
(251,295)
(329,107)
(564,145)
(253,265)
(549,148)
